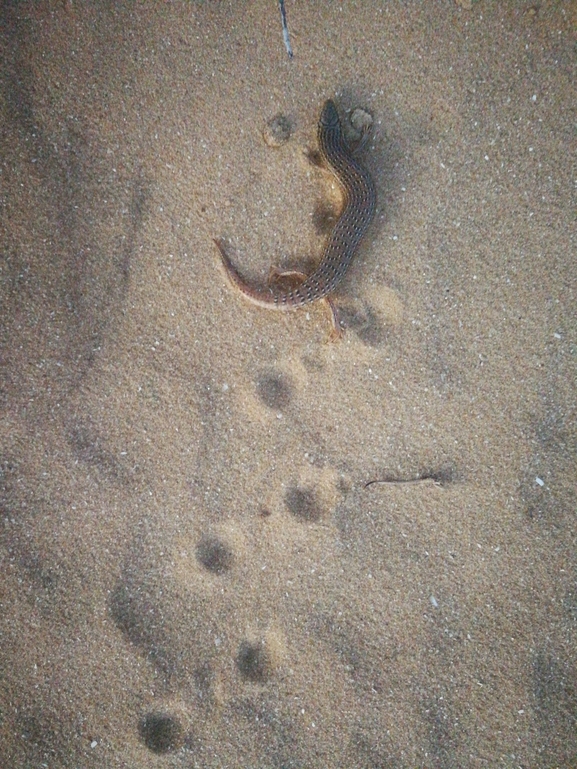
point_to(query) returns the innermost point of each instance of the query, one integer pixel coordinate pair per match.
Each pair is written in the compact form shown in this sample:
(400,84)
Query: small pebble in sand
(359,123)
(361,119)
(277,131)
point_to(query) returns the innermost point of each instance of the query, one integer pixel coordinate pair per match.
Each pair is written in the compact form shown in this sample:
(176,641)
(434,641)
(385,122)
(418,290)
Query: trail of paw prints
(212,613)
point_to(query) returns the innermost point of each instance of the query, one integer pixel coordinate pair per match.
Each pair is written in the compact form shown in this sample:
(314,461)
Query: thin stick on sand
(285,32)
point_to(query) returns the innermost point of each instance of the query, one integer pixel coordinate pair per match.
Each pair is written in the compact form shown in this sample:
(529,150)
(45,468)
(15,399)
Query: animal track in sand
(161,732)
(275,390)
(303,503)
(254,662)
(214,555)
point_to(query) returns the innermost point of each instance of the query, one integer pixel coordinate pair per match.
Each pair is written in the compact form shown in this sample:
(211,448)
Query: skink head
(329,115)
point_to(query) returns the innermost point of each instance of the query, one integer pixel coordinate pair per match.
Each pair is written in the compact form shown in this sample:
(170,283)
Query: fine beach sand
(196,570)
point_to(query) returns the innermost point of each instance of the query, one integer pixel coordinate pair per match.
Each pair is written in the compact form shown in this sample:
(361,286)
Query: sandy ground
(194,571)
